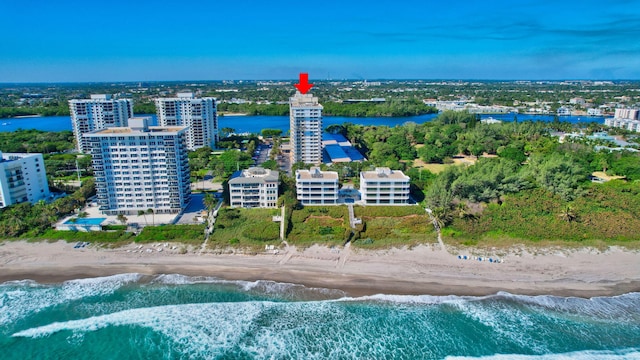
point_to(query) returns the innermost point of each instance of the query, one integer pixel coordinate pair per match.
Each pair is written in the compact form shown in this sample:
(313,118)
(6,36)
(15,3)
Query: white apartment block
(628,119)
(99,112)
(305,116)
(384,187)
(140,167)
(254,188)
(199,115)
(22,178)
(630,114)
(316,187)
(628,124)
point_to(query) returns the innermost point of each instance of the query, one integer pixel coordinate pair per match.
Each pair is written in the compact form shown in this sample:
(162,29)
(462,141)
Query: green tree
(269,133)
(558,173)
(153,216)
(225,131)
(210,202)
(123,219)
(142,213)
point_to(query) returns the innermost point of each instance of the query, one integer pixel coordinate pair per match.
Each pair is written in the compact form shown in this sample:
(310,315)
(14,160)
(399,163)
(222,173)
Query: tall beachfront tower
(141,167)
(22,178)
(197,114)
(305,116)
(97,113)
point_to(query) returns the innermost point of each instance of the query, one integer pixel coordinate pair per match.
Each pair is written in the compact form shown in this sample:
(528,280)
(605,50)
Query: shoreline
(420,271)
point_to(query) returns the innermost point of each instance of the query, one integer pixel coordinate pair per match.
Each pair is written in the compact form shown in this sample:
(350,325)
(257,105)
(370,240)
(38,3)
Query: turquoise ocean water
(131,316)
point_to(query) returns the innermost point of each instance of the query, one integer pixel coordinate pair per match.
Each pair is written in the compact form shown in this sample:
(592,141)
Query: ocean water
(131,316)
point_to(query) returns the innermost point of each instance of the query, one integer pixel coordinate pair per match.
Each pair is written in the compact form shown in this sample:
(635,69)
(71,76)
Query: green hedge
(608,212)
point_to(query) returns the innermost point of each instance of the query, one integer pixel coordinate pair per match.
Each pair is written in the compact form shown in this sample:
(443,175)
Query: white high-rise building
(141,167)
(305,116)
(628,119)
(197,114)
(384,187)
(317,187)
(99,112)
(22,178)
(255,187)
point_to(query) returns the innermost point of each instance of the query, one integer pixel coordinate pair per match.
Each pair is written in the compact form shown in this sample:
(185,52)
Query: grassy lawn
(387,226)
(245,228)
(187,234)
(111,238)
(319,224)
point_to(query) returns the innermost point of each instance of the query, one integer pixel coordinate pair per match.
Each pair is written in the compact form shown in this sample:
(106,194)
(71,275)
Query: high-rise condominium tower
(140,167)
(22,178)
(197,114)
(99,112)
(305,115)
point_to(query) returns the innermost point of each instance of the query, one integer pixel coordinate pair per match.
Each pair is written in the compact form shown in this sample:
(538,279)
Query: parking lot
(261,154)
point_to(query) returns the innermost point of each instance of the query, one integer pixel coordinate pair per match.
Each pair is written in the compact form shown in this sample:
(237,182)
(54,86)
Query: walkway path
(437,227)
(344,254)
(290,250)
(353,221)
(211,220)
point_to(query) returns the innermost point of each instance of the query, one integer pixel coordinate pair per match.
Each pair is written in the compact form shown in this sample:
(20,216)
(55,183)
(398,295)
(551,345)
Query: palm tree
(439,216)
(209,202)
(462,210)
(123,219)
(153,216)
(568,215)
(142,213)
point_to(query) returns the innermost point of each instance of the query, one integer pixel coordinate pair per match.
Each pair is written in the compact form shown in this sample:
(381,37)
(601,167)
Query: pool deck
(193,209)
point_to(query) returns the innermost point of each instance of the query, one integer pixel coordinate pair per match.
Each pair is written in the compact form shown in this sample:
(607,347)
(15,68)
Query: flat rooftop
(306,100)
(253,175)
(134,131)
(384,173)
(316,173)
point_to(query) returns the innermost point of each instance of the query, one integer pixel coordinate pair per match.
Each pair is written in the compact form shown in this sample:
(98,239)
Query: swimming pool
(85,221)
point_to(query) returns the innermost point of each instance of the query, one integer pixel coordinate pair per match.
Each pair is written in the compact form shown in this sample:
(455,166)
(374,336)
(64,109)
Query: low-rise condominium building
(317,187)
(384,187)
(255,187)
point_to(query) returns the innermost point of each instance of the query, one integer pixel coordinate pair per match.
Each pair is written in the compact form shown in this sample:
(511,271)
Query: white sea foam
(412,299)
(624,354)
(24,298)
(327,329)
(259,286)
(202,330)
(621,308)
(604,307)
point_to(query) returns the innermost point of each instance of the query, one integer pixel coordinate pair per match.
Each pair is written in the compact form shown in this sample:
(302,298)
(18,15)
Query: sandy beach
(421,270)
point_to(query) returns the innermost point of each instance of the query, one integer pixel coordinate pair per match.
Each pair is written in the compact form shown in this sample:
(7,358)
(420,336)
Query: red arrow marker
(304,85)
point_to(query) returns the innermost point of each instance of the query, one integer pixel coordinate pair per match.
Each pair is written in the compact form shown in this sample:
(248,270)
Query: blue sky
(56,41)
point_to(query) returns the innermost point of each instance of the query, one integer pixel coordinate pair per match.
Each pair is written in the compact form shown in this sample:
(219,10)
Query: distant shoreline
(26,116)
(232,114)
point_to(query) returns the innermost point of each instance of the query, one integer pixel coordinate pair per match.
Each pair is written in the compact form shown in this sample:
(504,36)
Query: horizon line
(322,80)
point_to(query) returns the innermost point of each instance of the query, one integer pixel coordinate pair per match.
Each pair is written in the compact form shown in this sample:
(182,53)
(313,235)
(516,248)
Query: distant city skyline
(73,41)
